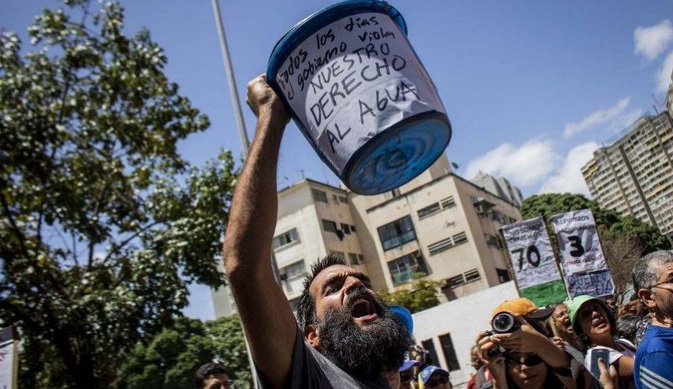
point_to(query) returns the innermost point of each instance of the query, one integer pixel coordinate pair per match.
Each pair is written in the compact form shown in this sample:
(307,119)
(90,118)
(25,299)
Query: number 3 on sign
(576,244)
(531,252)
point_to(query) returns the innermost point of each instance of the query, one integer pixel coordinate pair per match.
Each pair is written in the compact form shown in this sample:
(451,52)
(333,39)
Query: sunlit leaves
(102,221)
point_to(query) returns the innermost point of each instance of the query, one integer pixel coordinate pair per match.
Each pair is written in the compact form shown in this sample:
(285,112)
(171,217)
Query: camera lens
(503,323)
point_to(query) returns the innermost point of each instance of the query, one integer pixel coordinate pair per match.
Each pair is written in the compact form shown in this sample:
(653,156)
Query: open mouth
(598,321)
(363,310)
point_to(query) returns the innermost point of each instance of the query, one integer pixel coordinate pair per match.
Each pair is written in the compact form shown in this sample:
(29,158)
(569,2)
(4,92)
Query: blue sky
(531,88)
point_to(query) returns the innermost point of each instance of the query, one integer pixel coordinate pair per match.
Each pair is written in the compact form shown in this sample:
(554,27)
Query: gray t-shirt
(311,370)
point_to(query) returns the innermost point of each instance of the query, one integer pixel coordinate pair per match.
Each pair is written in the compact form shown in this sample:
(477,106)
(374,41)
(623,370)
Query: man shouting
(346,337)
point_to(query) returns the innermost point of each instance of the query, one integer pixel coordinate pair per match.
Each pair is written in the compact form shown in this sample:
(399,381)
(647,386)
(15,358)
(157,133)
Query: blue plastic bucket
(358,92)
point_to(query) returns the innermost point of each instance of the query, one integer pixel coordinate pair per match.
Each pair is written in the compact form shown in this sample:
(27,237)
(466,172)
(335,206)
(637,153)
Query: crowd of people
(345,336)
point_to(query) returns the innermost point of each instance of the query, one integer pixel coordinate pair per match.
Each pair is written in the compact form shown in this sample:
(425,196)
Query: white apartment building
(634,174)
(499,186)
(438,227)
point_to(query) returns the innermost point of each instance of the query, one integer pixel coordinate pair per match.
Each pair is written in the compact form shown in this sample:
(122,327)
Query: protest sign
(584,267)
(533,262)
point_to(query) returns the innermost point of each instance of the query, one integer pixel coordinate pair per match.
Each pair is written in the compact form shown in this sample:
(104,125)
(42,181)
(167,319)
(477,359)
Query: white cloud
(568,178)
(652,41)
(524,166)
(625,120)
(664,75)
(596,118)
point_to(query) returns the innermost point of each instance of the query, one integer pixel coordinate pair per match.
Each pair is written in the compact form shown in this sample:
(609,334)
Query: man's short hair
(645,271)
(306,306)
(205,371)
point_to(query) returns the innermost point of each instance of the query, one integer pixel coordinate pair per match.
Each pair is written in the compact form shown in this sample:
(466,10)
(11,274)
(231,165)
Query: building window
(329,226)
(440,246)
(285,239)
(461,279)
(448,202)
(352,228)
(503,275)
(354,259)
(343,199)
(429,210)
(472,275)
(397,233)
(294,270)
(491,241)
(405,268)
(319,195)
(429,346)
(449,352)
(459,238)
(455,281)
(346,228)
(499,217)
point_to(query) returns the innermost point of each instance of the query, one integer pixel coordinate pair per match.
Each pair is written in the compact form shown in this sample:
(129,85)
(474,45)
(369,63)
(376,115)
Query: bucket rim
(317,20)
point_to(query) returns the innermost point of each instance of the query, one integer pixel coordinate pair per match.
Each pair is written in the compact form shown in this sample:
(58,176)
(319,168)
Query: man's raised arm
(268,321)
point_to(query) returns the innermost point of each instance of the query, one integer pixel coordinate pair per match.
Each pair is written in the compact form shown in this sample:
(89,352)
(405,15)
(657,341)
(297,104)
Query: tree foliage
(102,223)
(624,238)
(174,355)
(421,295)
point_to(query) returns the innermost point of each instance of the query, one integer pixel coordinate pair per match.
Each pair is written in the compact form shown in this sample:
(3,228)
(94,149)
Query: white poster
(353,79)
(582,259)
(531,253)
(7,365)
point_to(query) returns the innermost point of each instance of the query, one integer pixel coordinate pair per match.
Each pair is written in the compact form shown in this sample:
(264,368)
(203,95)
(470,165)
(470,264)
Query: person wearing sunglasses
(525,357)
(653,282)
(433,377)
(595,326)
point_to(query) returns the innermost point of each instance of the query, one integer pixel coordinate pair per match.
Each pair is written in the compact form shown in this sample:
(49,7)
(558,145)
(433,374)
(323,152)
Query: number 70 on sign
(532,256)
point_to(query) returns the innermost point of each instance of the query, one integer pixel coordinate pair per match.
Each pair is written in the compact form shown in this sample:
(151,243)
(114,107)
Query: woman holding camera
(520,355)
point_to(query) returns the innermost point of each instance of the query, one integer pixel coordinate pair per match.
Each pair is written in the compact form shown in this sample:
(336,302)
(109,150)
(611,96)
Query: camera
(504,323)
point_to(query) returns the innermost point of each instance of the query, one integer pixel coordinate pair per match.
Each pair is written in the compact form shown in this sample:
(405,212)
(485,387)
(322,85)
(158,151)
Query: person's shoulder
(657,339)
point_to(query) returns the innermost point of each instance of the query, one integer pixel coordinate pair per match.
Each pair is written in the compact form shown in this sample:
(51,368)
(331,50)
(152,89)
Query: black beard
(381,347)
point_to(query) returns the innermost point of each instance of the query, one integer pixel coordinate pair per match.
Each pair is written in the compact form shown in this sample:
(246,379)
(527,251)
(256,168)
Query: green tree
(102,223)
(421,295)
(624,238)
(170,360)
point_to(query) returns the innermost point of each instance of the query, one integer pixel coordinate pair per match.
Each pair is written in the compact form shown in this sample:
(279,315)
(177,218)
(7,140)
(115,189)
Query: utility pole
(240,124)
(243,137)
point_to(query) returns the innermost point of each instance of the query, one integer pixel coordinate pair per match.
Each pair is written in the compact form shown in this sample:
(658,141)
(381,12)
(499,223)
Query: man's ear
(645,295)
(312,336)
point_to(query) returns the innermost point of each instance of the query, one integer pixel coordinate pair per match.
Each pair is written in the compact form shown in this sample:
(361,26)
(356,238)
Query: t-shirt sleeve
(305,371)
(656,371)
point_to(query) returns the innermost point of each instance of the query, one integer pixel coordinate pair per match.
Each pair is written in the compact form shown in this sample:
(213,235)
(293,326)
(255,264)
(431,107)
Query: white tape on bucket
(352,80)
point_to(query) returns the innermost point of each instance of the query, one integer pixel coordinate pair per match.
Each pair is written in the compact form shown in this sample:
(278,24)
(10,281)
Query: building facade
(438,227)
(634,174)
(499,186)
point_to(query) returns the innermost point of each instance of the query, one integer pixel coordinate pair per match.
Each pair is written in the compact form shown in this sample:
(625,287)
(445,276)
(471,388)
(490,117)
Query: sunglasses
(436,381)
(530,360)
